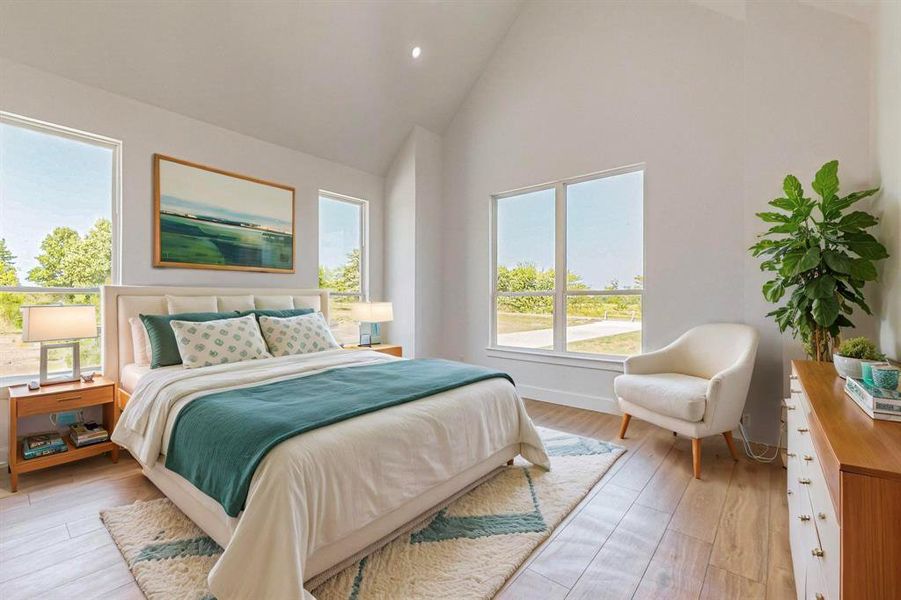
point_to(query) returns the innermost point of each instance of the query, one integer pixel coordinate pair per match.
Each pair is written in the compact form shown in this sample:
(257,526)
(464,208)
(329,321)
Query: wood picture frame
(213,228)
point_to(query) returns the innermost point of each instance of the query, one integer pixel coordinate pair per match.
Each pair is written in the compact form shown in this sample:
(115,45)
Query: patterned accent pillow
(218,342)
(297,335)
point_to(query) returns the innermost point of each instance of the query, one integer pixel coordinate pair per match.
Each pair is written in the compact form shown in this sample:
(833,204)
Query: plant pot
(849,367)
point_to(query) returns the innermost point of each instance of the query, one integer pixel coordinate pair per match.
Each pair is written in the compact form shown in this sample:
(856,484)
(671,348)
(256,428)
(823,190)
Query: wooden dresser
(844,491)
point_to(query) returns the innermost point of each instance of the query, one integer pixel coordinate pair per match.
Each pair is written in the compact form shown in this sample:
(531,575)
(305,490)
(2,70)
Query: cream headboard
(121,302)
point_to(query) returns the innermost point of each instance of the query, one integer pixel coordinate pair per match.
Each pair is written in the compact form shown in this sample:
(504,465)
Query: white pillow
(182,304)
(297,335)
(273,302)
(206,343)
(140,343)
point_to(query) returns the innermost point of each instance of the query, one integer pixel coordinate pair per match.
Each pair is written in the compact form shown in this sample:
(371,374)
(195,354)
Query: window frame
(363,205)
(94,139)
(559,354)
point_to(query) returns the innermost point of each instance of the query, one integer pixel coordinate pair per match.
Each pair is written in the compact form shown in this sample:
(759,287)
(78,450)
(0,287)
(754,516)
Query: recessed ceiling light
(417,51)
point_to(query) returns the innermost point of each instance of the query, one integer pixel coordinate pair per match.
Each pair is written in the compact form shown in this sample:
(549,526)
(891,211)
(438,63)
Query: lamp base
(370,333)
(75,375)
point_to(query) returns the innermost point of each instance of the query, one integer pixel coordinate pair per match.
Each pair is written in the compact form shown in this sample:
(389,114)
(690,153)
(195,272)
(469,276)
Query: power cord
(762,457)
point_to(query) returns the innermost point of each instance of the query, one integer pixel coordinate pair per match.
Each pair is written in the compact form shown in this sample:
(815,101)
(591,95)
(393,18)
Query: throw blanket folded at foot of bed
(218,440)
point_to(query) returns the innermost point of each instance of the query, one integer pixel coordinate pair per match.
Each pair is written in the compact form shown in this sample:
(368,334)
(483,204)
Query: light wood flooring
(646,530)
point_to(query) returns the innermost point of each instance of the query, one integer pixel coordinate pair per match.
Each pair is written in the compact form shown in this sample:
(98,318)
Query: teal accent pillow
(163,347)
(282,313)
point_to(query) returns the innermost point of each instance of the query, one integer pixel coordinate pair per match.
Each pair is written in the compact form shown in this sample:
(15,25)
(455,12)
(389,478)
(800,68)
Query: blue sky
(339,231)
(48,181)
(604,229)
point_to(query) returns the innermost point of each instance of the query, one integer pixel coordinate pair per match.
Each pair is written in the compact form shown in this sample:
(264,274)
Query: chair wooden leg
(696,457)
(624,426)
(731,443)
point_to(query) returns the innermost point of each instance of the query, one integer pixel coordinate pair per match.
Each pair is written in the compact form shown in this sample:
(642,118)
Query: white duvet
(317,488)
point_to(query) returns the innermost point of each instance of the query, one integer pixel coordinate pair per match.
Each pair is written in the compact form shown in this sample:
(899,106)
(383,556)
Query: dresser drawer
(802,537)
(814,586)
(64,401)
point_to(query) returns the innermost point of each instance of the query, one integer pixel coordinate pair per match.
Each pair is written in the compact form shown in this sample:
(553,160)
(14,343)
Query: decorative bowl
(852,367)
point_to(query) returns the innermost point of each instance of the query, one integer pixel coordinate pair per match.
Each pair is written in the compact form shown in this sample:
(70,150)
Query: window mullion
(560,269)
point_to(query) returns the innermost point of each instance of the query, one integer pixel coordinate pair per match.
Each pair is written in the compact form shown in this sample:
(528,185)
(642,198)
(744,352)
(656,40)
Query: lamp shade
(54,322)
(372,312)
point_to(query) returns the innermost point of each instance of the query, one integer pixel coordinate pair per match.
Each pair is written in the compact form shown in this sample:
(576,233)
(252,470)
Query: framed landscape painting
(206,218)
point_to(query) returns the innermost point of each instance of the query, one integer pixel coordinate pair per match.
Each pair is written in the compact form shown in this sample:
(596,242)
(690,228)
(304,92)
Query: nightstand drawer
(63,401)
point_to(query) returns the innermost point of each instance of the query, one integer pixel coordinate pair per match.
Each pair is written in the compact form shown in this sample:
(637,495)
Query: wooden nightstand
(392,349)
(60,397)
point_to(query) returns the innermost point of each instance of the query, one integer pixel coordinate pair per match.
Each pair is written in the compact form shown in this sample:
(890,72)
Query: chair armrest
(727,393)
(651,362)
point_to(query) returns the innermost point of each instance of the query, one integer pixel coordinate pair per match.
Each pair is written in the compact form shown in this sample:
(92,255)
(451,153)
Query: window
(59,194)
(567,266)
(343,259)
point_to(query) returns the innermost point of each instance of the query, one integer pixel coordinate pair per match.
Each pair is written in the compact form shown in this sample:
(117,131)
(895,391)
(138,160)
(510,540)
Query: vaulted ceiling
(334,79)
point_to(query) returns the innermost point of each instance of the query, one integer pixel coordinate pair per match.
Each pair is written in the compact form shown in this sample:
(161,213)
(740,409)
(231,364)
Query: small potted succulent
(852,353)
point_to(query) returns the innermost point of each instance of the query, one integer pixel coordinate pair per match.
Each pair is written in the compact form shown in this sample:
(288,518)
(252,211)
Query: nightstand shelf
(59,398)
(52,460)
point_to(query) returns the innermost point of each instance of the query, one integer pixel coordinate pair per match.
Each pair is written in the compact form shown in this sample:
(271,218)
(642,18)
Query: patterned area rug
(465,550)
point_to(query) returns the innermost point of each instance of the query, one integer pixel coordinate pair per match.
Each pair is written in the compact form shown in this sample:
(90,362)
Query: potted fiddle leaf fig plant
(821,257)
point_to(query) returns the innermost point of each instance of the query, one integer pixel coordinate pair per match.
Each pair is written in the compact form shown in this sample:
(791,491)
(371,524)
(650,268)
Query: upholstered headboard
(121,302)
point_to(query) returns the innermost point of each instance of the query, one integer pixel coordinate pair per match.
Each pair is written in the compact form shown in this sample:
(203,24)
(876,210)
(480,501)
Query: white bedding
(318,488)
(131,374)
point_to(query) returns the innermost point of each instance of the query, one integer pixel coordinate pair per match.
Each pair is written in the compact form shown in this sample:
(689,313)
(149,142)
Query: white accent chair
(696,386)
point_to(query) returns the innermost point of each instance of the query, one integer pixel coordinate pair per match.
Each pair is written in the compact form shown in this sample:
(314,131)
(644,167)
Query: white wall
(719,108)
(145,130)
(430,280)
(888,155)
(400,245)
(413,235)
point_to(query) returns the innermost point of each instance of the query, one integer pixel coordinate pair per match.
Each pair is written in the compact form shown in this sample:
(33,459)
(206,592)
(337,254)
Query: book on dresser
(43,444)
(878,403)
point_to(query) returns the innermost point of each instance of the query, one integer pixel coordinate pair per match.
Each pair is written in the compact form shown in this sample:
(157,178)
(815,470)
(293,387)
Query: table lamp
(370,315)
(52,322)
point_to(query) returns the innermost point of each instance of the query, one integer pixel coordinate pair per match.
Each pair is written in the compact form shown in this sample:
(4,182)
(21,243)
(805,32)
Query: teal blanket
(218,440)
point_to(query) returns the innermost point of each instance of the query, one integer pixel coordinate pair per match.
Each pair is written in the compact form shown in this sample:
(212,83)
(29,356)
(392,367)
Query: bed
(322,498)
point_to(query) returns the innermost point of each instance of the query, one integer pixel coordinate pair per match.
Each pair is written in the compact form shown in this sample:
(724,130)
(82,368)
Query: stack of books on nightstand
(85,434)
(42,444)
(878,403)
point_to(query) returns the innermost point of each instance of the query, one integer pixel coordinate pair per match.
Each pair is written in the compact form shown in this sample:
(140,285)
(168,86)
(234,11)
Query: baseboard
(584,401)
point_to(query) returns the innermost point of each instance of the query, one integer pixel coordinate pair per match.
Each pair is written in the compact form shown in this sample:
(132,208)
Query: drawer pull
(790,492)
(69,399)
(792,376)
(808,457)
(819,596)
(802,430)
(804,517)
(803,480)
(821,516)
(790,407)
(817,552)
(796,391)
(791,455)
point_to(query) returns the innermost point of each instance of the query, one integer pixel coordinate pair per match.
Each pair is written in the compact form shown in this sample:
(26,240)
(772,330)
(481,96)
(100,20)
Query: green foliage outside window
(346,278)
(67,259)
(527,277)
